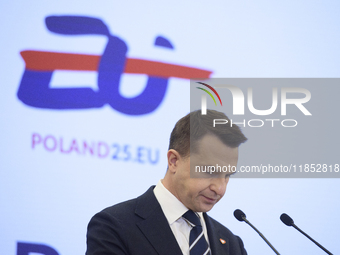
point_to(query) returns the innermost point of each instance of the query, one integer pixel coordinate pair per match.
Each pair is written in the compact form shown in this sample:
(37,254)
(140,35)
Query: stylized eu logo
(35,91)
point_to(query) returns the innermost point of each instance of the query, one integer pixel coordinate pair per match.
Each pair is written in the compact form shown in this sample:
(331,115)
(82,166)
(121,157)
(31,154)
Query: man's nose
(218,185)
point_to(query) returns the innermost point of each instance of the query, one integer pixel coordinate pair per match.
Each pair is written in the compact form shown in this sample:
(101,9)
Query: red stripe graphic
(50,61)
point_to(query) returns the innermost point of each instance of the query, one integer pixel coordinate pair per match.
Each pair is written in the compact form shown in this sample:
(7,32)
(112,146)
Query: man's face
(201,194)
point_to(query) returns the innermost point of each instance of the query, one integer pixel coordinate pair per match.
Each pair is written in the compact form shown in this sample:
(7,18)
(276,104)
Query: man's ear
(173,157)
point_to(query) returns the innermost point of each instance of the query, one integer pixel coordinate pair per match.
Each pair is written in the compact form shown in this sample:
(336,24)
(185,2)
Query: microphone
(289,222)
(239,215)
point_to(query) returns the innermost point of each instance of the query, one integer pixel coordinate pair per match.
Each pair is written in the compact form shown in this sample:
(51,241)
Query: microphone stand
(306,235)
(265,239)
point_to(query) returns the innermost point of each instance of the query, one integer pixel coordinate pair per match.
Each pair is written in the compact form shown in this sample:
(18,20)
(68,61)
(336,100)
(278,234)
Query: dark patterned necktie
(197,243)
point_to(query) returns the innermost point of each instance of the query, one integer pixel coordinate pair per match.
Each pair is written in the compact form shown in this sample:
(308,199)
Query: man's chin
(205,207)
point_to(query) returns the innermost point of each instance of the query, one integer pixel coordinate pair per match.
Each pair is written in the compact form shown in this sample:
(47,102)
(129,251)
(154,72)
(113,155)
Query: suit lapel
(155,227)
(216,240)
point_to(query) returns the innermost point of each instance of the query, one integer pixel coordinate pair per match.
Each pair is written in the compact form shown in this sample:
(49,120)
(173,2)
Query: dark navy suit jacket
(139,227)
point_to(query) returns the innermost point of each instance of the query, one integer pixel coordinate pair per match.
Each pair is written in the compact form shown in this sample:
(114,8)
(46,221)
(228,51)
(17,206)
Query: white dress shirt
(173,210)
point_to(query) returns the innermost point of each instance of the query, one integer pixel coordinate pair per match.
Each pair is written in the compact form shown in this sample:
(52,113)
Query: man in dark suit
(170,218)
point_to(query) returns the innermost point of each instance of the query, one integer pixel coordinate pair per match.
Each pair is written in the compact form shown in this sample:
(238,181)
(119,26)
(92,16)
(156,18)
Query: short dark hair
(199,125)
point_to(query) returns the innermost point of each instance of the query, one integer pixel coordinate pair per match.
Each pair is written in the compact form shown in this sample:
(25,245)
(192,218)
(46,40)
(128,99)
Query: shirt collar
(173,209)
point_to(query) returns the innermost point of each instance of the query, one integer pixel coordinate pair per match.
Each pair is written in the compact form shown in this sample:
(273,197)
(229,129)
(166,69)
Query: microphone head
(286,219)
(239,215)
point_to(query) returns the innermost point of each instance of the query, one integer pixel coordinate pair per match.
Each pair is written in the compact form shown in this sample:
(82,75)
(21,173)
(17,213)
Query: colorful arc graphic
(210,93)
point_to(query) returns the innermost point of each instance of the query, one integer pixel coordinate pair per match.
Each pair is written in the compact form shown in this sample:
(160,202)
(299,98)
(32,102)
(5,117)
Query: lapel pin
(222,241)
